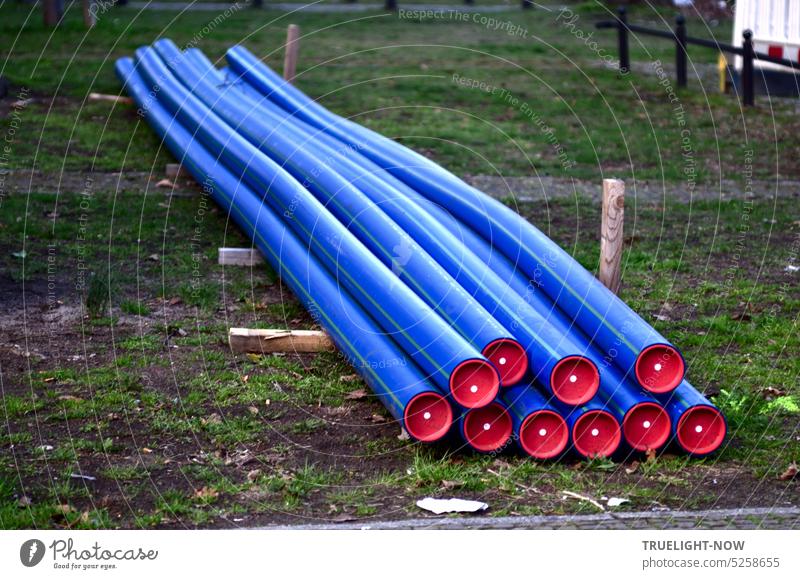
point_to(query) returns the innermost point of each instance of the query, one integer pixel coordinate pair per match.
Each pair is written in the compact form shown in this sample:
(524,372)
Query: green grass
(159,410)
(396,75)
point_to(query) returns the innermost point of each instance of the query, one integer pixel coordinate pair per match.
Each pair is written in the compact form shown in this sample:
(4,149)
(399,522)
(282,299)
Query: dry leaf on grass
(790,472)
(356,394)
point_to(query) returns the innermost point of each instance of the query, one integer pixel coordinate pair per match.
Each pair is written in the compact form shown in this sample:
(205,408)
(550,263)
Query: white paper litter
(440,506)
(616,501)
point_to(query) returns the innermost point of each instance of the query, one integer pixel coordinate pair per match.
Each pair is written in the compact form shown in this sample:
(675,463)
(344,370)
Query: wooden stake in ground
(244,340)
(290,58)
(611,239)
(88,14)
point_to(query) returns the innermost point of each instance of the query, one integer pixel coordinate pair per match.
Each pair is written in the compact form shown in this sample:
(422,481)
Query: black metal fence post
(748,88)
(391,5)
(680,49)
(622,36)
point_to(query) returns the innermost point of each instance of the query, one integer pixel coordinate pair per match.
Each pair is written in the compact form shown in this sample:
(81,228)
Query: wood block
(244,340)
(243,256)
(176,170)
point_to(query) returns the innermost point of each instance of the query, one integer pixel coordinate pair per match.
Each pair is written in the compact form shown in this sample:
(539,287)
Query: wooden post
(611,239)
(244,340)
(290,58)
(88,14)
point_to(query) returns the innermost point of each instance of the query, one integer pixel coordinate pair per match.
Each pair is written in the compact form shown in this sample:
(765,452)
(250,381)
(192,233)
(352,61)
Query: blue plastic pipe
(619,331)
(317,171)
(486,429)
(699,427)
(555,357)
(397,382)
(450,361)
(645,424)
(539,429)
(594,428)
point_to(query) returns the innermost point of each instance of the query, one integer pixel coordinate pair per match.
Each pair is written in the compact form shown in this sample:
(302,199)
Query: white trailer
(776,31)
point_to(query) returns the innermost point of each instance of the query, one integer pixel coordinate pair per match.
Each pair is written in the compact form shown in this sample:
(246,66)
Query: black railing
(683,40)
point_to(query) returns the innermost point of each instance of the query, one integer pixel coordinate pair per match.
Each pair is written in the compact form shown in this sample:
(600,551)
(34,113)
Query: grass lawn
(120,402)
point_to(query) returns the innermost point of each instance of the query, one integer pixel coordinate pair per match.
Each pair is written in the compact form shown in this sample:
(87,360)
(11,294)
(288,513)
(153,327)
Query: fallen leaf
(790,472)
(650,454)
(771,392)
(206,493)
(452,484)
(64,509)
(440,506)
(212,419)
(153,257)
(348,378)
(252,410)
(403,435)
(356,394)
(175,301)
(165,183)
(69,397)
(253,474)
(378,418)
(146,450)
(24,502)
(634,466)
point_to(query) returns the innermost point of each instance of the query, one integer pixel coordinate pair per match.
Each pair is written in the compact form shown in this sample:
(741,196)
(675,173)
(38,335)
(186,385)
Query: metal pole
(391,5)
(622,36)
(748,90)
(680,49)
(527,4)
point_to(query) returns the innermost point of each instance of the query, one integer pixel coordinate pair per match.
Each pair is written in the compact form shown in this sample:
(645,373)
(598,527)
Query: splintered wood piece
(245,340)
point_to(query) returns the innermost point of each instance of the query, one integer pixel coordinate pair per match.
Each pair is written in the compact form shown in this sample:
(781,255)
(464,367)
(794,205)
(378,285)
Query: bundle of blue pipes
(461,316)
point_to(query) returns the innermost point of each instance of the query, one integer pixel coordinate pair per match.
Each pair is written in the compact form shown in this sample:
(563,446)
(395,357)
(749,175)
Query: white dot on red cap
(427,416)
(473,389)
(595,432)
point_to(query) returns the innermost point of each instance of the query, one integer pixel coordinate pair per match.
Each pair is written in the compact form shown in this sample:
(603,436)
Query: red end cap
(428,417)
(646,426)
(575,380)
(474,383)
(596,433)
(701,430)
(544,434)
(488,428)
(509,358)
(660,368)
